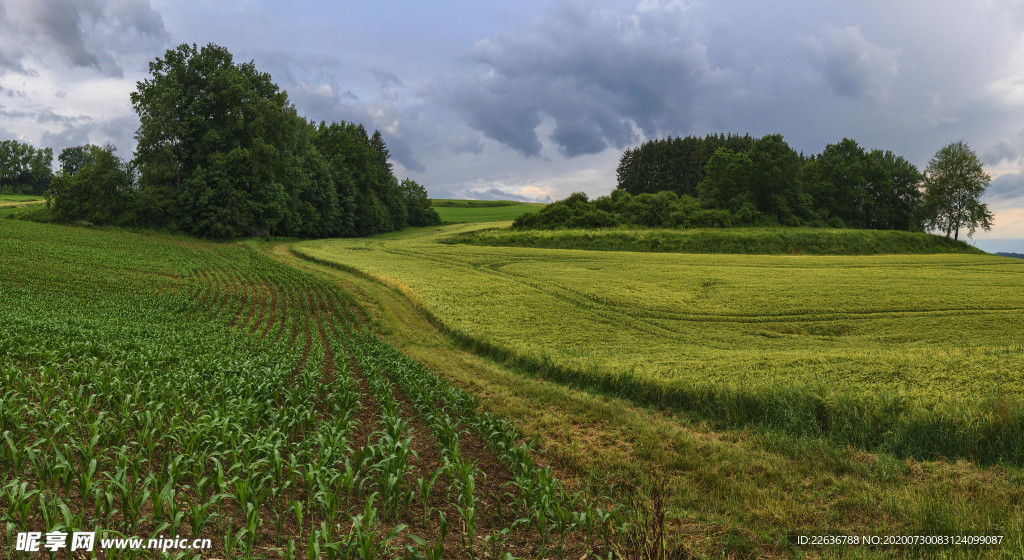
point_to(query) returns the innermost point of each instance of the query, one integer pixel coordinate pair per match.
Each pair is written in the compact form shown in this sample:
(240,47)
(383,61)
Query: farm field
(913,354)
(158,386)
(19,199)
(754,241)
(152,384)
(463,211)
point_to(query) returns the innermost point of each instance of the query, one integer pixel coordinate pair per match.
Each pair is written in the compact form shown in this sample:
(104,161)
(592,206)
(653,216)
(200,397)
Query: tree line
(724,180)
(222,153)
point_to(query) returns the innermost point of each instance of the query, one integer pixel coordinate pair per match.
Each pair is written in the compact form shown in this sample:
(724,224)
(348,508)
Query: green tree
(99,192)
(24,168)
(727,184)
(418,205)
(953,186)
(213,143)
(74,158)
(774,177)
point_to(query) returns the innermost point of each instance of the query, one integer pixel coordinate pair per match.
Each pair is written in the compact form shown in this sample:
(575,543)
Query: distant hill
(1011,255)
(464,211)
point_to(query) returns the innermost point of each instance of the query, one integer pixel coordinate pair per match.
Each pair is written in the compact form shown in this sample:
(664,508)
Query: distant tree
(74,158)
(99,192)
(894,190)
(774,177)
(727,184)
(24,168)
(953,186)
(418,205)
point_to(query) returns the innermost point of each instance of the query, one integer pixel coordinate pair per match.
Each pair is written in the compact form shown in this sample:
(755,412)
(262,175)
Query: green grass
(919,355)
(7,197)
(19,199)
(471,211)
(761,241)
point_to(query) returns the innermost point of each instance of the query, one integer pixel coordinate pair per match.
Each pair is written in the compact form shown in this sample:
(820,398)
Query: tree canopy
(954,183)
(763,181)
(222,153)
(24,169)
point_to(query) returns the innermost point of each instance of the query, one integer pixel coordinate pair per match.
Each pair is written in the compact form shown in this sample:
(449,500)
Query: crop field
(917,355)
(754,241)
(463,211)
(19,199)
(155,386)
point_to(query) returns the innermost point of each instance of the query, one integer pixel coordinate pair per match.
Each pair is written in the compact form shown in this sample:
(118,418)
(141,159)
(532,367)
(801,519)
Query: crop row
(157,387)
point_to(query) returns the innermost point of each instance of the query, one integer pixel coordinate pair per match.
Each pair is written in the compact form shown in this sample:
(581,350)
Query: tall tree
(211,143)
(953,186)
(23,168)
(98,192)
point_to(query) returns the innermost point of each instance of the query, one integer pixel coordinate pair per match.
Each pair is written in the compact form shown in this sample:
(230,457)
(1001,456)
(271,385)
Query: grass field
(918,355)
(754,241)
(455,211)
(157,386)
(19,199)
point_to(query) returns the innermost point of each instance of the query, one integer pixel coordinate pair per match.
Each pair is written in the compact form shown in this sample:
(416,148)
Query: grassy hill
(454,211)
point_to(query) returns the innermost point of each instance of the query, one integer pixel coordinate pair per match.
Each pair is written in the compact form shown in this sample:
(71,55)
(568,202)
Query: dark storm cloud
(85,33)
(852,66)
(1008,149)
(596,73)
(1005,188)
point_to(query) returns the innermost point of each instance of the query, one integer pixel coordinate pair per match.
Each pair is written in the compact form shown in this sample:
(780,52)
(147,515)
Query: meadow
(154,386)
(455,211)
(914,355)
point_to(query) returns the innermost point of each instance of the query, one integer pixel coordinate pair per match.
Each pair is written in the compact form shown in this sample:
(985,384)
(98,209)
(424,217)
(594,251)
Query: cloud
(494,193)
(119,131)
(851,66)
(324,102)
(1006,188)
(599,74)
(85,34)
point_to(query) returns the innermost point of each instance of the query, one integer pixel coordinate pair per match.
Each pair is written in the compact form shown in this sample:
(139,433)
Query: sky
(534,100)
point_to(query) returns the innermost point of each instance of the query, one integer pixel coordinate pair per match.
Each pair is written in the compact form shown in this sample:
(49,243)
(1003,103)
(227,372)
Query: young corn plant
(436,550)
(363,541)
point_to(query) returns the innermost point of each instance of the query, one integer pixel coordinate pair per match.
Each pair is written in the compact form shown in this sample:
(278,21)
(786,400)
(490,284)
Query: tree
(418,205)
(98,192)
(23,168)
(74,158)
(953,185)
(213,141)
